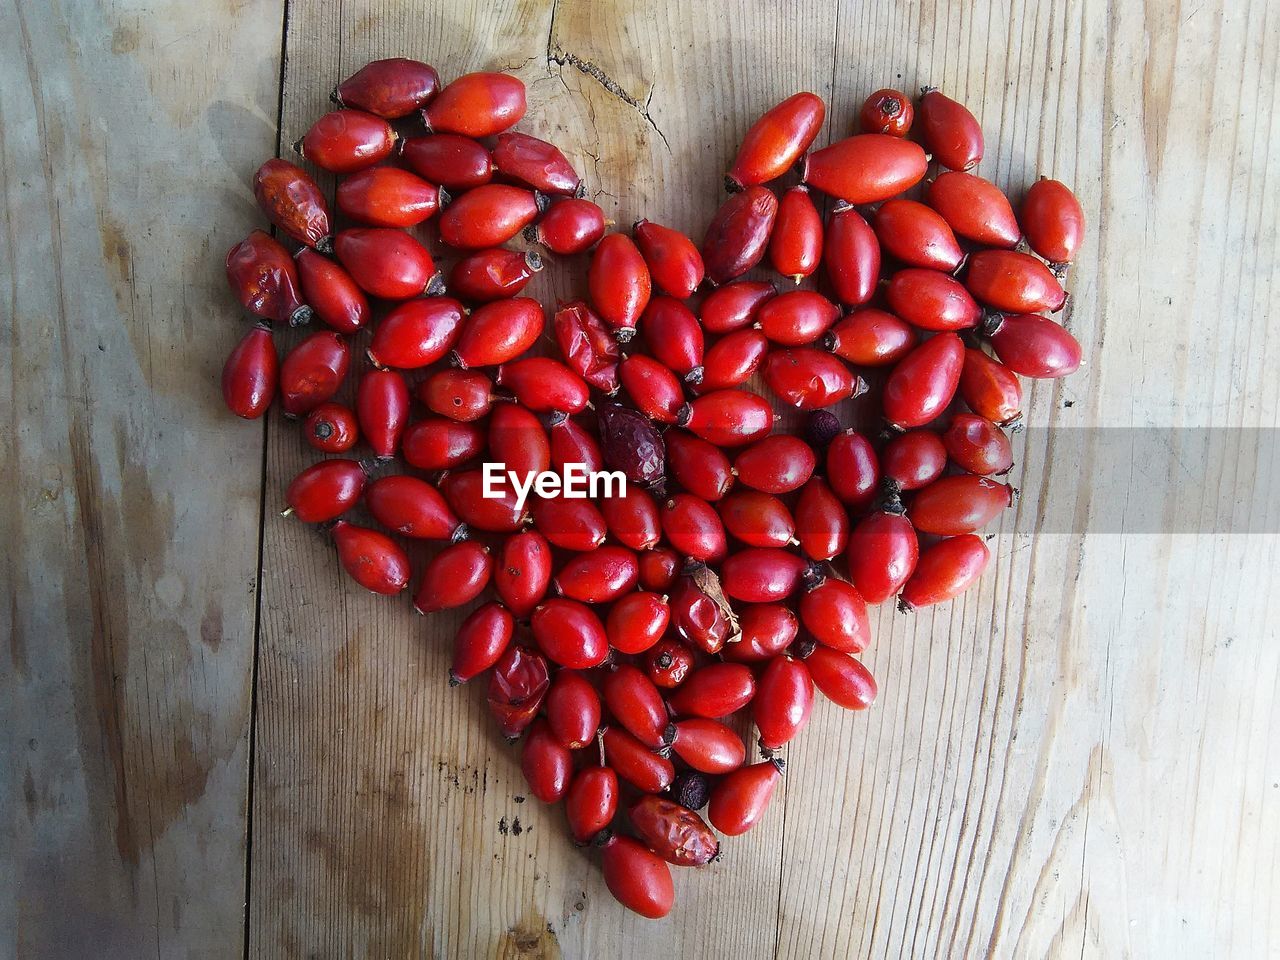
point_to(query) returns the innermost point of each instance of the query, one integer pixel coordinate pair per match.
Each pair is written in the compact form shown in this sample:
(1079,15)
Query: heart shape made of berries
(732,570)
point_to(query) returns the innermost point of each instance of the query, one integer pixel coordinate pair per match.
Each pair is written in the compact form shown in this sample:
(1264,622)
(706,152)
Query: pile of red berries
(619,634)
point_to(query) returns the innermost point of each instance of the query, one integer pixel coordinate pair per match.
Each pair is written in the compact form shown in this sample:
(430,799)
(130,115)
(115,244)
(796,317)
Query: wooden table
(216,746)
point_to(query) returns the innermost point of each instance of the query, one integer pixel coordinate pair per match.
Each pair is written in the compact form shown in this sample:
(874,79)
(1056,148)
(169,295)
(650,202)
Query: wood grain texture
(1077,759)
(131,515)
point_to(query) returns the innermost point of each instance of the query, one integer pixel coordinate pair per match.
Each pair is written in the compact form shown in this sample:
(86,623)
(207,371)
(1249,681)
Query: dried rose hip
(631,443)
(263,277)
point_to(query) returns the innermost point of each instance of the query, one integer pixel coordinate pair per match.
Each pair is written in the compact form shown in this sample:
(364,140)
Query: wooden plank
(380,796)
(1052,768)
(1072,762)
(132,517)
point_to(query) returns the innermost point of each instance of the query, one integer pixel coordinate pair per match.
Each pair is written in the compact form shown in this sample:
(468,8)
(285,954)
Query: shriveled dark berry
(631,443)
(821,428)
(691,789)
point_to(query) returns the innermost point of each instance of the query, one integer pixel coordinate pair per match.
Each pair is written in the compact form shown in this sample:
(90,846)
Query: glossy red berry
(573,709)
(462,395)
(887,111)
(917,235)
(869,337)
(739,801)
(331,428)
(635,763)
(698,465)
(382,407)
(822,521)
(777,140)
(834,612)
(312,372)
(976,209)
(949,130)
(488,216)
(633,518)
(944,571)
(477,105)
(519,442)
(454,577)
(638,879)
(693,527)
(546,763)
(385,263)
(730,418)
(865,168)
(465,490)
(372,559)
(853,470)
(674,262)
(568,227)
(331,292)
(668,663)
(569,633)
(674,337)
(989,388)
(618,283)
(1035,346)
(714,691)
(326,490)
(757,519)
(914,459)
(345,141)
(633,701)
(796,317)
(851,255)
(493,274)
(956,505)
(762,574)
(389,197)
(637,621)
(591,802)
(411,507)
(734,305)
(931,300)
(883,550)
(783,701)
(481,640)
(659,568)
(598,576)
(250,374)
(1014,282)
(976,444)
(923,382)
(810,379)
(795,249)
(732,360)
(1052,220)
(841,678)
(417,333)
(522,573)
(708,745)
(569,523)
(452,161)
(499,332)
(652,386)
(767,630)
(440,444)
